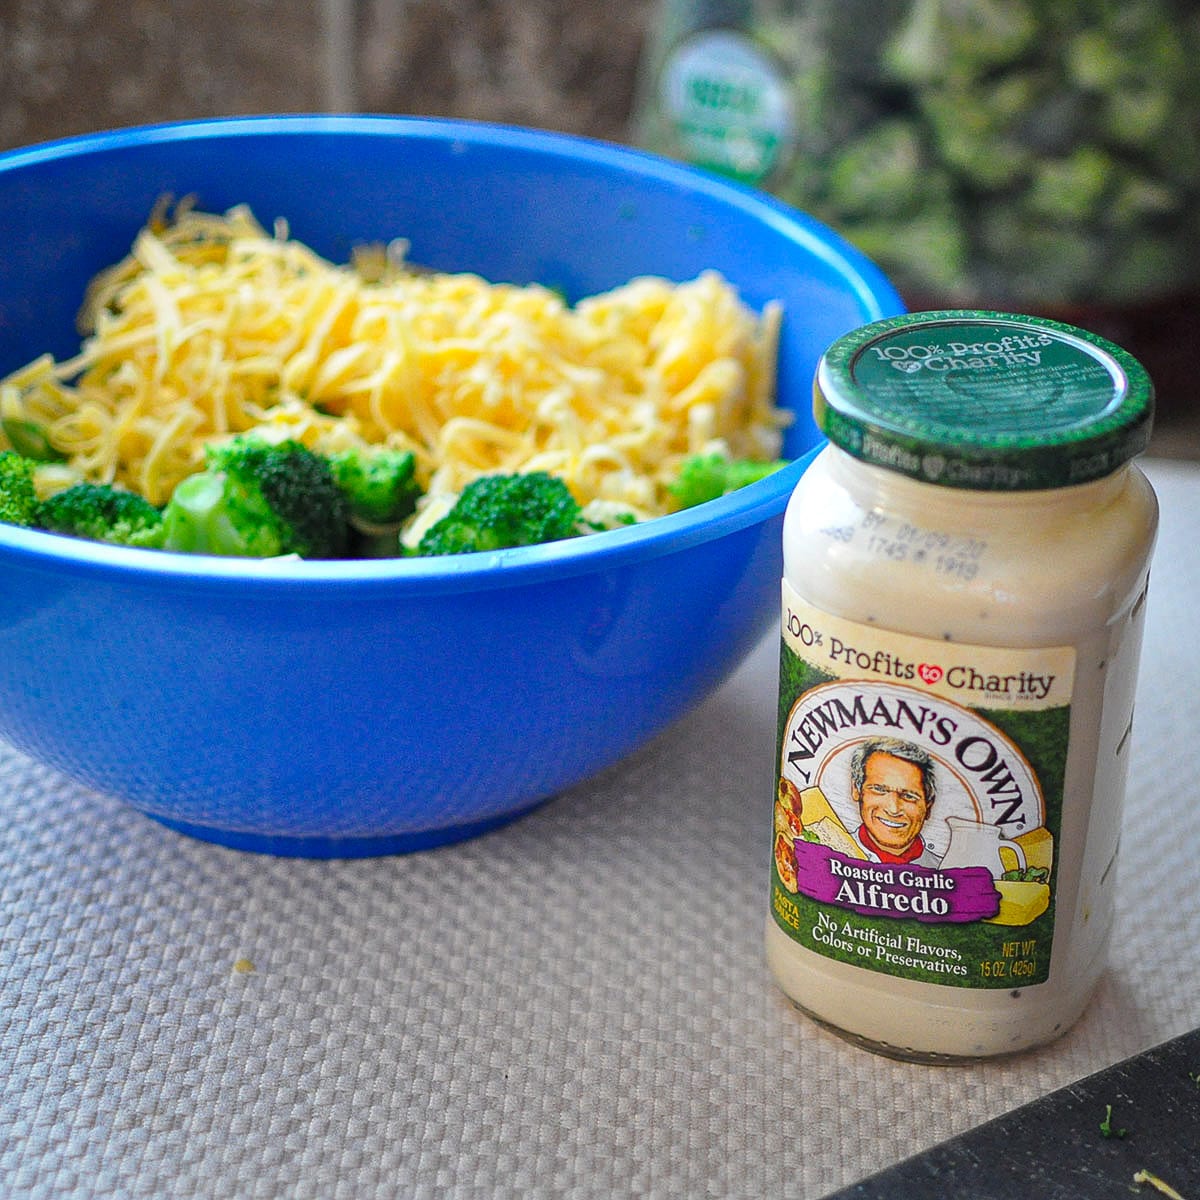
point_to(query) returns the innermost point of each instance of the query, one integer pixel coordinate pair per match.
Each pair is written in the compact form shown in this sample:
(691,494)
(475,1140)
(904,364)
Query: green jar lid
(984,400)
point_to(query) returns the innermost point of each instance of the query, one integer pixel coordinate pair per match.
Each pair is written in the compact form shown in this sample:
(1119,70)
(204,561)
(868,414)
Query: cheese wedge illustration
(1038,847)
(823,823)
(1020,902)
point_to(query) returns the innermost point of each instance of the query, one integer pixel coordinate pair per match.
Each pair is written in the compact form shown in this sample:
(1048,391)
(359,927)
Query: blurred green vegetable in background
(1031,154)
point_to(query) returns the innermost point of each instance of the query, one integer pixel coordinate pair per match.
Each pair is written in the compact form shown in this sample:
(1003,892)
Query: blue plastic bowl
(350,708)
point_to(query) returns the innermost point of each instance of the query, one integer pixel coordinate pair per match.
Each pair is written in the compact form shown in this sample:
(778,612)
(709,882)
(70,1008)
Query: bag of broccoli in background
(1037,155)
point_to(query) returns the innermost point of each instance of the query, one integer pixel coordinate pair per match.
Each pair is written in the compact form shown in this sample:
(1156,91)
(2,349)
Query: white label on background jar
(920,800)
(728,103)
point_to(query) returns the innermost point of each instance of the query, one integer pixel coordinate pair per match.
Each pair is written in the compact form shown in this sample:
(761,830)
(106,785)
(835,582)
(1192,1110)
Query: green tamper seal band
(984,400)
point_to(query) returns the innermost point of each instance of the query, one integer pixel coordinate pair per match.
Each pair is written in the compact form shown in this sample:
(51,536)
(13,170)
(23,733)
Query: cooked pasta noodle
(213,326)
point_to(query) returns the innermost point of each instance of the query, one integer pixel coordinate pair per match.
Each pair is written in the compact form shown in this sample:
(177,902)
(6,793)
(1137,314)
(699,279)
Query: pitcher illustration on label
(918,801)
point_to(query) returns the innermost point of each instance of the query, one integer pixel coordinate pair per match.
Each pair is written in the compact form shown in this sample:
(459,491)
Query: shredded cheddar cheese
(212,326)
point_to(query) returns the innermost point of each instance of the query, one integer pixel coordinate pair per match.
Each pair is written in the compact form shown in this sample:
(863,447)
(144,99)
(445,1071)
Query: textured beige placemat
(541,1012)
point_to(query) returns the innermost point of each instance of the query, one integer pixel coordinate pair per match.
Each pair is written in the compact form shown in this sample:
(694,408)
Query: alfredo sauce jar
(965,572)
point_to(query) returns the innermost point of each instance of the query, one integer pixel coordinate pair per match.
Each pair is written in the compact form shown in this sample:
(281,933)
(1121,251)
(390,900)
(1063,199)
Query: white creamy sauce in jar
(957,682)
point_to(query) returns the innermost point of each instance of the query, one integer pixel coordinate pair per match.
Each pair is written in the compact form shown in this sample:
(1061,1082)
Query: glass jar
(965,573)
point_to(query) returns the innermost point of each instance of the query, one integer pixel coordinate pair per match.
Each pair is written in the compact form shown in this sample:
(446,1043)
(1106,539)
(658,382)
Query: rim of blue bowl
(750,505)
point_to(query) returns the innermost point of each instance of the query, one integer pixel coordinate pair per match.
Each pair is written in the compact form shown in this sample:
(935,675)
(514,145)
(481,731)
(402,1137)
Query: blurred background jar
(1040,156)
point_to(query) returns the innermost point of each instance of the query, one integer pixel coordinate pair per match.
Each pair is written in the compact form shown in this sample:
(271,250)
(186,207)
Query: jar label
(919,800)
(728,104)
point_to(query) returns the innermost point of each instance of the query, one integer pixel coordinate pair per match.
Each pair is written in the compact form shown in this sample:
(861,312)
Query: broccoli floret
(210,513)
(102,514)
(18,499)
(707,476)
(259,500)
(379,485)
(498,511)
(95,511)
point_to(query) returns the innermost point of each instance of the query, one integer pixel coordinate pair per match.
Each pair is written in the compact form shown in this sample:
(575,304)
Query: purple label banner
(960,894)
